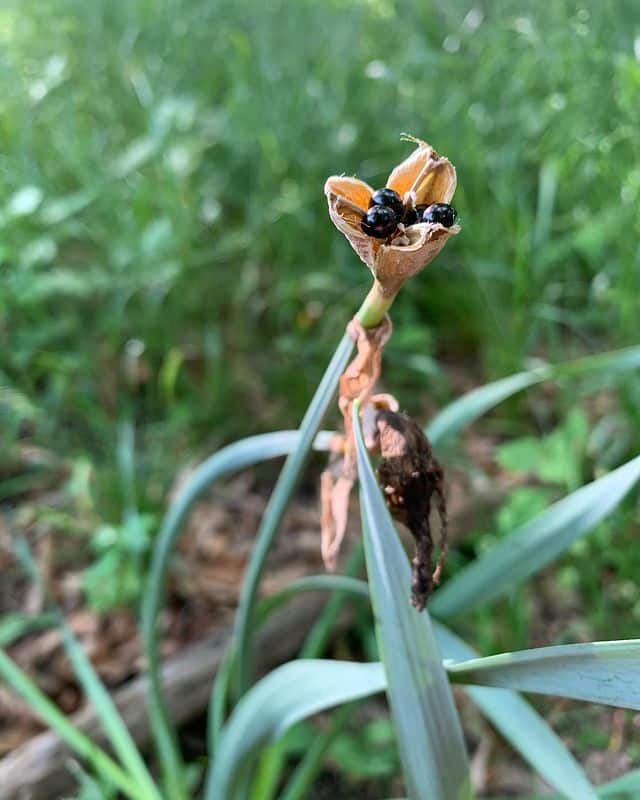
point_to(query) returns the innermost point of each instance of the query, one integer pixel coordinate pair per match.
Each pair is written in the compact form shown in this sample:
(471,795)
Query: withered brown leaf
(410,478)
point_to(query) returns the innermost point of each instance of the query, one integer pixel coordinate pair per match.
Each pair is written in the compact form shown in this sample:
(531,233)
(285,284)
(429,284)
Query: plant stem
(375,306)
(305,773)
(370,314)
(276,508)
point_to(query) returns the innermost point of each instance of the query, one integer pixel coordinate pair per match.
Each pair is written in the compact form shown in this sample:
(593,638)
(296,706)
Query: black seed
(440,212)
(389,199)
(413,215)
(380,222)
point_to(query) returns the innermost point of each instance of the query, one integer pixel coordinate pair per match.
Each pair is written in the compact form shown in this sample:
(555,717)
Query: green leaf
(300,782)
(468,408)
(232,458)
(287,695)
(108,714)
(313,583)
(55,719)
(600,672)
(626,787)
(430,740)
(477,402)
(14,626)
(518,722)
(522,727)
(277,505)
(534,545)
(106,710)
(556,458)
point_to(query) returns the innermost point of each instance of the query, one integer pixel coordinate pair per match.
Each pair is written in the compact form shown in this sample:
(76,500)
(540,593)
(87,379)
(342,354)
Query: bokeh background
(169,275)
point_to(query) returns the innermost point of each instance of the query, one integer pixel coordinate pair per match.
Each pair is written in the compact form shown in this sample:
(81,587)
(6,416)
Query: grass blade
(472,405)
(600,672)
(108,714)
(14,626)
(427,726)
(299,784)
(318,638)
(277,506)
(522,727)
(287,695)
(217,711)
(57,721)
(313,583)
(534,545)
(627,787)
(230,459)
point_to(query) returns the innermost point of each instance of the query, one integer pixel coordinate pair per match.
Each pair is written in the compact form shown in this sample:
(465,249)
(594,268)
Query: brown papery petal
(431,177)
(396,263)
(348,220)
(351,189)
(404,176)
(437,184)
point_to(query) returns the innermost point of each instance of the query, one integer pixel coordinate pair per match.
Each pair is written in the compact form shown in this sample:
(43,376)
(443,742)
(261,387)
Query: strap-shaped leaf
(426,723)
(232,458)
(472,405)
(627,787)
(522,727)
(600,672)
(512,715)
(535,544)
(287,695)
(277,506)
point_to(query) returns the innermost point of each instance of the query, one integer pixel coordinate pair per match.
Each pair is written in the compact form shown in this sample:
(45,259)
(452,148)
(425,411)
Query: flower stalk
(375,306)
(396,231)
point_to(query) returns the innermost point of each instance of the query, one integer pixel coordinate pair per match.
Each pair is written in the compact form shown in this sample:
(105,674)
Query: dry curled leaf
(425,177)
(357,383)
(410,477)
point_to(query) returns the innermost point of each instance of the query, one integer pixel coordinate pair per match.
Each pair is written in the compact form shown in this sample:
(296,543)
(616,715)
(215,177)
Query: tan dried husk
(357,383)
(424,177)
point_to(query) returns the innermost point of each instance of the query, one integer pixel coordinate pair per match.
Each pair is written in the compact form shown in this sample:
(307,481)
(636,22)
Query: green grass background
(166,257)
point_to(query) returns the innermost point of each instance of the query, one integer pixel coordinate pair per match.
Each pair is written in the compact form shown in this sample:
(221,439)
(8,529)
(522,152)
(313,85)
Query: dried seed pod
(410,477)
(422,179)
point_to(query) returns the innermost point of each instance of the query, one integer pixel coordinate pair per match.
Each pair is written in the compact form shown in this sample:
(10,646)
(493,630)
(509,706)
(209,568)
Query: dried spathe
(357,383)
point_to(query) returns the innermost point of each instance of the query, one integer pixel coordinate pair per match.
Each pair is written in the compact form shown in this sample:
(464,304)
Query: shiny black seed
(389,199)
(380,222)
(440,212)
(413,215)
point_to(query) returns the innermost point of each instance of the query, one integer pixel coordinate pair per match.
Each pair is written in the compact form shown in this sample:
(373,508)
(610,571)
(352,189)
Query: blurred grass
(165,252)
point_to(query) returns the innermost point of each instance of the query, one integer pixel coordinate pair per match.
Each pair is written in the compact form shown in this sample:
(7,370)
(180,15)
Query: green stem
(318,637)
(370,314)
(375,306)
(305,773)
(277,505)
